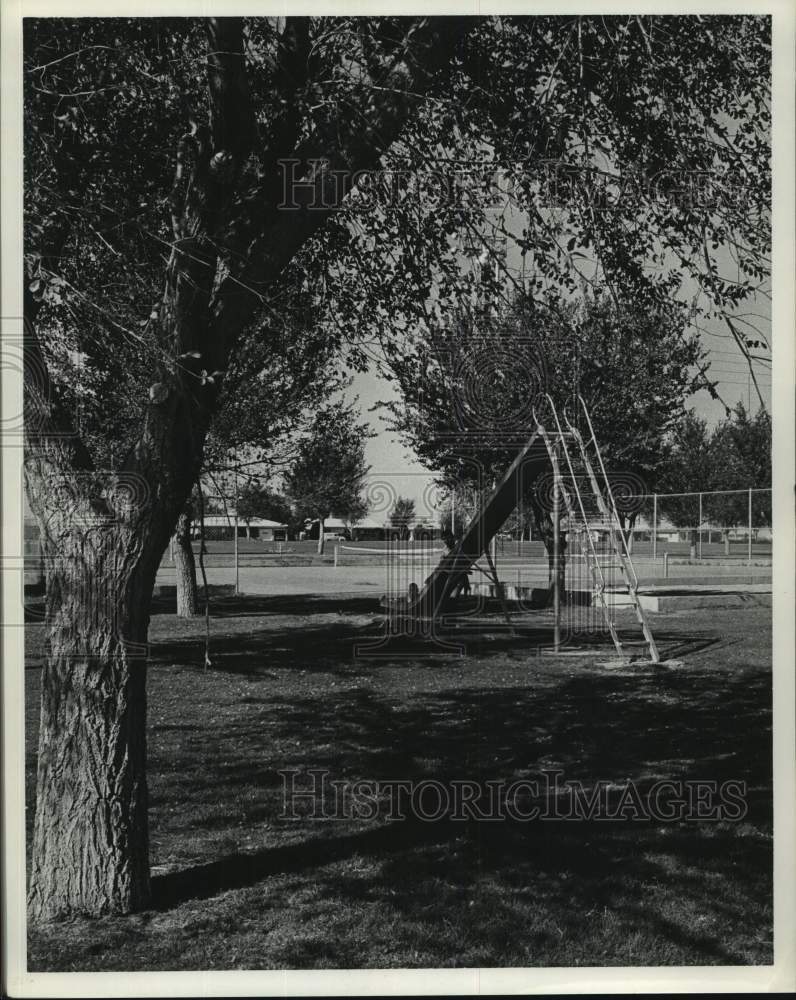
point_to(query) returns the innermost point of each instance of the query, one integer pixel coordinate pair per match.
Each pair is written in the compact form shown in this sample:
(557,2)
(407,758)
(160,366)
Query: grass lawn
(237,887)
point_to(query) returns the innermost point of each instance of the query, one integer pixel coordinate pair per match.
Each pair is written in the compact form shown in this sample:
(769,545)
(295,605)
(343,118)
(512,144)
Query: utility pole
(494,537)
(700,526)
(556,559)
(237,574)
(654,525)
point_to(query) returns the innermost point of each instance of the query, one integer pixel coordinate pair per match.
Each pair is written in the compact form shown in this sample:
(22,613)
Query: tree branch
(239,237)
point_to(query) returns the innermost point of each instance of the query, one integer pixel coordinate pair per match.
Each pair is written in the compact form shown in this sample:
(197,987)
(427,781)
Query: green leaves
(734,456)
(469,385)
(328,473)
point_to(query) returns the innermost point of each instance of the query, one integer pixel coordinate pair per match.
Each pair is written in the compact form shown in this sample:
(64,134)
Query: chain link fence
(704,526)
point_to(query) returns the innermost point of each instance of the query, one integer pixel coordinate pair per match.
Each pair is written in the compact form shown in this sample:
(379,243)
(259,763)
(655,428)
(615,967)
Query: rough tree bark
(103,546)
(90,834)
(321,539)
(103,535)
(185,569)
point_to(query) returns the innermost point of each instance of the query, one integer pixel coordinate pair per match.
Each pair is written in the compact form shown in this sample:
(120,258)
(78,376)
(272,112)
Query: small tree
(329,471)
(736,455)
(741,447)
(689,468)
(469,388)
(185,568)
(401,515)
(185,563)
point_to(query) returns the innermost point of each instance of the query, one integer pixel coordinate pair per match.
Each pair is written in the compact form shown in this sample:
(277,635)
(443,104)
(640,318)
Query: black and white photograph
(398,470)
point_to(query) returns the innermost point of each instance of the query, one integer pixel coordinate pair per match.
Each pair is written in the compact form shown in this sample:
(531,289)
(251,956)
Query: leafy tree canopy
(471,391)
(401,515)
(402,512)
(627,151)
(735,455)
(329,470)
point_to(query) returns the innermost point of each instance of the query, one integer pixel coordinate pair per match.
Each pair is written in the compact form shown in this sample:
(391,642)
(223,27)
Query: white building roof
(228,521)
(338,523)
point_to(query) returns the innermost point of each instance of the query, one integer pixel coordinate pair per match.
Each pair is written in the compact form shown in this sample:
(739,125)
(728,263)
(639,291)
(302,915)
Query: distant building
(367,530)
(337,527)
(370,530)
(665,530)
(222,526)
(762,534)
(424,528)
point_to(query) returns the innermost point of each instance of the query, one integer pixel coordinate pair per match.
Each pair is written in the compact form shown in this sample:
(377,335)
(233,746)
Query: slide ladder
(588,506)
(591,508)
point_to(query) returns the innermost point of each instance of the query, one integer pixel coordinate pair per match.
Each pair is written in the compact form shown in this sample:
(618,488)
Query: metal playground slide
(531,462)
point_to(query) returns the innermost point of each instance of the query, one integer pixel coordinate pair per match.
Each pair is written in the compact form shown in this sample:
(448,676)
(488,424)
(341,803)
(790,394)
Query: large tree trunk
(90,844)
(185,569)
(103,535)
(321,539)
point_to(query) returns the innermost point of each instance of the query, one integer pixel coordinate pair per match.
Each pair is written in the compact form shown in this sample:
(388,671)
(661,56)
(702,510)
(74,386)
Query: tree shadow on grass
(238,871)
(431,870)
(502,714)
(251,605)
(591,727)
(699,890)
(321,646)
(302,604)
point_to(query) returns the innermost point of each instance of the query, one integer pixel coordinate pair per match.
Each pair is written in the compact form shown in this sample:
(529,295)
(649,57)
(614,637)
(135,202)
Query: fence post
(749,540)
(237,573)
(700,526)
(654,525)
(237,500)
(556,558)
